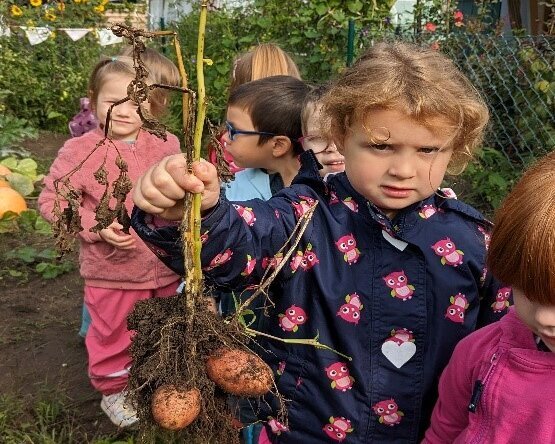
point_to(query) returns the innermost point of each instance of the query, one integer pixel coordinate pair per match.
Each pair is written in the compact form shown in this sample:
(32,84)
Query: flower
(458,16)
(16,11)
(50,16)
(76,1)
(99,8)
(430,27)
(435,46)
(61,6)
(35,3)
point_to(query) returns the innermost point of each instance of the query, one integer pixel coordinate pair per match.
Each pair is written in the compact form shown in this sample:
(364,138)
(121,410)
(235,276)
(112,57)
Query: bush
(314,33)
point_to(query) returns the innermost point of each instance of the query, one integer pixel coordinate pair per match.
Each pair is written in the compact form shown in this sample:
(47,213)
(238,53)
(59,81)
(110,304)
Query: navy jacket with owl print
(393,298)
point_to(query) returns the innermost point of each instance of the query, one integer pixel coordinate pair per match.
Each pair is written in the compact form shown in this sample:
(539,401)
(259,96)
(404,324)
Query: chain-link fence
(516,77)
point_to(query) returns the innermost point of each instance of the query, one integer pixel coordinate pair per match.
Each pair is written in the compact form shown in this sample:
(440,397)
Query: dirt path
(40,350)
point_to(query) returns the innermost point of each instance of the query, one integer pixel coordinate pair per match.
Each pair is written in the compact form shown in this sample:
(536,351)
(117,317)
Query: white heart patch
(398,354)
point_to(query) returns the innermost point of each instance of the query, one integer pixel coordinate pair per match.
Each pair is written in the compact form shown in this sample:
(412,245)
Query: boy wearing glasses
(263,123)
(314,138)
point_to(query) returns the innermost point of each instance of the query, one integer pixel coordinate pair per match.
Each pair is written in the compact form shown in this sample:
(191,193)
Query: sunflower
(35,3)
(61,6)
(16,11)
(76,1)
(50,16)
(99,9)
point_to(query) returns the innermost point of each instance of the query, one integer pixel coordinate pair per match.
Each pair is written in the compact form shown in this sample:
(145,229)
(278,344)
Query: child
(389,272)
(263,125)
(264,60)
(314,137)
(118,270)
(162,71)
(498,386)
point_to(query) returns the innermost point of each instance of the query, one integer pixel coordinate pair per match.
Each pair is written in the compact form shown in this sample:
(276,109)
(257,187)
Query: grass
(48,419)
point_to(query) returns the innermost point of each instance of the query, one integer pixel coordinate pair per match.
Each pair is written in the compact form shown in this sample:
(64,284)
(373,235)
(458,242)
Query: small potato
(173,408)
(239,372)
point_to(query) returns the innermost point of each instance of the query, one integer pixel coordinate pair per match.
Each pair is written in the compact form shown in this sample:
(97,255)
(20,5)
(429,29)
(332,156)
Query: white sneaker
(120,412)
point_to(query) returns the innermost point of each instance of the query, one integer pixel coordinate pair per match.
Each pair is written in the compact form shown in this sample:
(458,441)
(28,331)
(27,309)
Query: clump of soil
(164,353)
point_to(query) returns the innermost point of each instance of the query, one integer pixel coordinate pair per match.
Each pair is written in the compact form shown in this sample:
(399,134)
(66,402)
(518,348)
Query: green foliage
(13,130)
(23,174)
(487,180)
(29,221)
(314,33)
(43,83)
(76,13)
(44,262)
(46,422)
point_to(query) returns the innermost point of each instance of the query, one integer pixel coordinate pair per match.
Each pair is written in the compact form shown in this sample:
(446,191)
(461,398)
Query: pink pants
(263,438)
(108,339)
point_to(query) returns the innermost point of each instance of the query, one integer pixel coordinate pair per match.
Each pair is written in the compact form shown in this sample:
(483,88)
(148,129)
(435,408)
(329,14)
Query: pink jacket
(517,403)
(101,264)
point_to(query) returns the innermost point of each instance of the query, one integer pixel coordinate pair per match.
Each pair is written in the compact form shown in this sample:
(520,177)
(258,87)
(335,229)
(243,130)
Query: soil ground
(40,349)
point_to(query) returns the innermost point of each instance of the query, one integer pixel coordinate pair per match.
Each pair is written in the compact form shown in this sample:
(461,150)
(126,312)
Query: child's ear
(282,145)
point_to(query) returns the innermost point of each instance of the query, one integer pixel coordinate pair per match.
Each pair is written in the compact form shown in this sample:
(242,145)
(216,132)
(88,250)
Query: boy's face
(244,148)
(539,318)
(124,120)
(401,164)
(331,160)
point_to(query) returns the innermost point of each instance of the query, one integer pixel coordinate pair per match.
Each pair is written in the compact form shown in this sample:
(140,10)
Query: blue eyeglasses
(232,132)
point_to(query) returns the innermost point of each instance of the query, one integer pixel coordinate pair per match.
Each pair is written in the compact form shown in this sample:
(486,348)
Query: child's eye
(379,146)
(428,150)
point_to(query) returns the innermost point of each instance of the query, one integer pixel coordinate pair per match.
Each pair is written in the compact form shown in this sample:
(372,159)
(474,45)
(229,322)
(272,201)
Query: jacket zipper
(477,399)
(479,386)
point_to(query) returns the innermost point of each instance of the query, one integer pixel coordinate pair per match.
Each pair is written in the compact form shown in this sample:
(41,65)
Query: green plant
(23,175)
(487,180)
(44,262)
(314,33)
(28,221)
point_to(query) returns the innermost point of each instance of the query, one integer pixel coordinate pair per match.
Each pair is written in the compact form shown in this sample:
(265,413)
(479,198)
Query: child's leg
(108,339)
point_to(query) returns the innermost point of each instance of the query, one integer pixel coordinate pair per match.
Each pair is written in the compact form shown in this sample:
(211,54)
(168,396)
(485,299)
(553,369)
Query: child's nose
(402,167)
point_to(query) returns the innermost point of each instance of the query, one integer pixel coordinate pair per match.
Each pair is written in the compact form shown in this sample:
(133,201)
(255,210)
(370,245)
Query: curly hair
(422,83)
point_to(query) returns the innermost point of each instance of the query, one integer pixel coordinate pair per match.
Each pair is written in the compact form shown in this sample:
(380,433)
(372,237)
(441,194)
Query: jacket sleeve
(63,164)
(450,414)
(489,311)
(240,239)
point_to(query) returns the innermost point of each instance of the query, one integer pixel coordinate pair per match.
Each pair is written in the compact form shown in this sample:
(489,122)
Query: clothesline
(39,34)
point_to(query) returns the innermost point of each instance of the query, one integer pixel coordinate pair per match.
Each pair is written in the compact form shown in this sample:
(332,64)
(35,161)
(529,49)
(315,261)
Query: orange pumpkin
(11,200)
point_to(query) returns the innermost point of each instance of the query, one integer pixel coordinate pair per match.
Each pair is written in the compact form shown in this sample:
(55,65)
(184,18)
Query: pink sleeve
(450,415)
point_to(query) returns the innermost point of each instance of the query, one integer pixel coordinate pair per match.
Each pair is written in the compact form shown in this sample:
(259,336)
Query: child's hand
(162,188)
(114,236)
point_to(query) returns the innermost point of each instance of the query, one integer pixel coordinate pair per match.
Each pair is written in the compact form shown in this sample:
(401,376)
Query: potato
(239,372)
(174,408)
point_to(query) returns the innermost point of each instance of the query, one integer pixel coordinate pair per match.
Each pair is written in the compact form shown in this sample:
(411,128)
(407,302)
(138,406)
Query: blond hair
(161,70)
(422,83)
(522,248)
(265,60)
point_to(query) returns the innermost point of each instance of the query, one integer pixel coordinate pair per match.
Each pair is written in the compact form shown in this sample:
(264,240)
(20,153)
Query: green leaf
(23,254)
(354,6)
(54,115)
(9,162)
(15,273)
(27,166)
(321,9)
(20,183)
(42,226)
